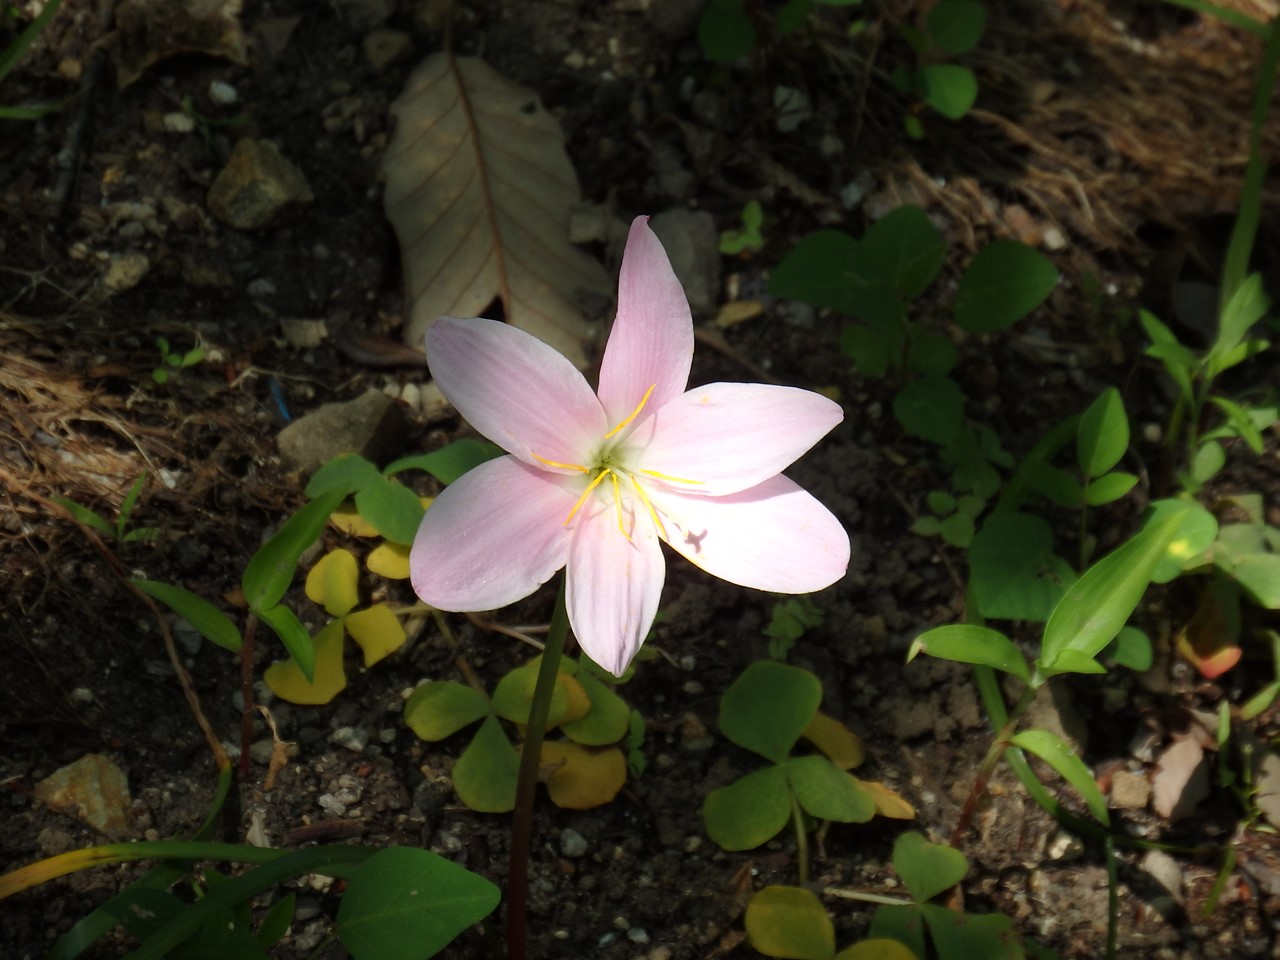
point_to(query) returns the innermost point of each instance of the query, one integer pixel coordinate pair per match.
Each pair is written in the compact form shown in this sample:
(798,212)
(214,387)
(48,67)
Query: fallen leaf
(479,189)
(841,745)
(377,630)
(390,560)
(889,803)
(347,519)
(333,583)
(584,777)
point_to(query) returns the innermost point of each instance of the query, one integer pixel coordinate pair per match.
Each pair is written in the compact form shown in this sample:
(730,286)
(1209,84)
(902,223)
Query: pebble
(255,185)
(638,935)
(223,93)
(94,790)
(572,844)
(1130,791)
(178,122)
(124,271)
(261,287)
(331,804)
(354,739)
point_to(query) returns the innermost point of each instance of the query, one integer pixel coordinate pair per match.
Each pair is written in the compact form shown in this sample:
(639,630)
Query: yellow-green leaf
(334,583)
(838,743)
(582,777)
(377,630)
(287,682)
(790,922)
(880,948)
(347,519)
(888,802)
(390,560)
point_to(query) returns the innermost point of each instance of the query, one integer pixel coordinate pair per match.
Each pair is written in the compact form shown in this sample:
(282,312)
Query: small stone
(94,790)
(178,122)
(260,751)
(331,804)
(222,93)
(382,48)
(256,835)
(637,935)
(306,908)
(659,953)
(124,271)
(82,695)
(304,334)
(261,287)
(255,185)
(371,425)
(53,841)
(792,108)
(572,844)
(694,735)
(1065,846)
(187,637)
(366,15)
(1165,871)
(354,739)
(1130,791)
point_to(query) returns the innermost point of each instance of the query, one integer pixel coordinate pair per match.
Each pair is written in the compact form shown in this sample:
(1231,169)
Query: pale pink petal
(775,536)
(613,584)
(516,390)
(652,340)
(730,436)
(493,536)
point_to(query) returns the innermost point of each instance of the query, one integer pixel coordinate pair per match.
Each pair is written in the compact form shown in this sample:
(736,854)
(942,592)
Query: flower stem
(802,840)
(527,784)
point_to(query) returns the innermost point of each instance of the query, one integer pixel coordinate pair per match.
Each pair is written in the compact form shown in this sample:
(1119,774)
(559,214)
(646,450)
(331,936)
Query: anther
(634,413)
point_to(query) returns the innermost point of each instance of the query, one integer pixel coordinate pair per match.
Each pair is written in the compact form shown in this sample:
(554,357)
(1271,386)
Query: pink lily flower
(594,482)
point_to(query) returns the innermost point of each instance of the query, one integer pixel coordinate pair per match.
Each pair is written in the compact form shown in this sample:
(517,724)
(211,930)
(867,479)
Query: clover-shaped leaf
(790,922)
(749,811)
(333,583)
(837,742)
(287,682)
(605,722)
(485,775)
(580,777)
(827,792)
(377,630)
(440,708)
(768,708)
(927,868)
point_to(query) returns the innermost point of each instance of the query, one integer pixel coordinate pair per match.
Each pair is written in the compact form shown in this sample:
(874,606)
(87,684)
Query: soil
(1111,135)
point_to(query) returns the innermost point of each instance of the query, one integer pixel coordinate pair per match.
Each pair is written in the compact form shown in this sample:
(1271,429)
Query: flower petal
(613,584)
(493,536)
(652,340)
(515,390)
(730,436)
(775,536)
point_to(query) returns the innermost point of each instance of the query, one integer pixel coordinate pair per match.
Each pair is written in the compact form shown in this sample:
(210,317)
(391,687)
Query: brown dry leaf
(479,190)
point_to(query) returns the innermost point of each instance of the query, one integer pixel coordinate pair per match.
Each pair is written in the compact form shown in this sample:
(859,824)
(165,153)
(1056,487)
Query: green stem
(802,840)
(527,784)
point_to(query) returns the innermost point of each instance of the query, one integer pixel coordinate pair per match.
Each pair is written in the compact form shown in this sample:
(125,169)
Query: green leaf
(826,792)
(85,516)
(513,697)
(877,948)
(1002,284)
(790,922)
(1103,435)
(1073,661)
(277,921)
(1259,575)
(271,569)
(956,25)
(871,348)
(405,903)
(768,707)
(931,354)
(967,643)
(1131,648)
(1050,482)
(346,473)
(749,811)
(949,89)
(130,501)
(1109,488)
(440,708)
(903,250)
(966,936)
(1097,605)
(818,270)
(1196,532)
(1210,458)
(449,462)
(927,868)
(1241,423)
(485,775)
(13,53)
(285,625)
(903,924)
(1054,751)
(725,32)
(392,508)
(927,527)
(957,530)
(213,624)
(1013,571)
(931,408)
(940,502)
(607,720)
(1246,307)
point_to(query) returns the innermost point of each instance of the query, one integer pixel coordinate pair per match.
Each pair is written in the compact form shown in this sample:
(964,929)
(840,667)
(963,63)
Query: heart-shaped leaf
(768,707)
(582,777)
(927,868)
(485,775)
(334,583)
(440,708)
(790,922)
(749,811)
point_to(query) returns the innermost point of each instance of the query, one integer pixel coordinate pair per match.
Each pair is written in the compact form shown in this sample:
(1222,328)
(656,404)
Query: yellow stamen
(670,479)
(556,463)
(644,498)
(634,413)
(586,493)
(617,503)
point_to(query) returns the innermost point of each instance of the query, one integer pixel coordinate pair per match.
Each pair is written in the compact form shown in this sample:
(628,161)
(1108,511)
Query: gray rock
(93,790)
(354,739)
(255,185)
(693,246)
(382,48)
(572,844)
(371,425)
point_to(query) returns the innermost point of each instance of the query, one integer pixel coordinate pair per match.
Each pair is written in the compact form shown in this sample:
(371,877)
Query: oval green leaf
(348,473)
(927,868)
(1001,285)
(968,643)
(956,26)
(1103,434)
(485,775)
(827,792)
(440,708)
(749,811)
(405,903)
(931,408)
(271,569)
(768,707)
(392,508)
(948,88)
(449,462)
(295,637)
(1109,488)
(817,271)
(606,722)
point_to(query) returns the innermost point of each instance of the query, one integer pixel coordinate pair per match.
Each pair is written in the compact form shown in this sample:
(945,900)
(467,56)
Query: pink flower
(592,482)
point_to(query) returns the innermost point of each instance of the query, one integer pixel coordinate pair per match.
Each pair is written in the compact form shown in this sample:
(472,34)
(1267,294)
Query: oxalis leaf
(479,189)
(408,904)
